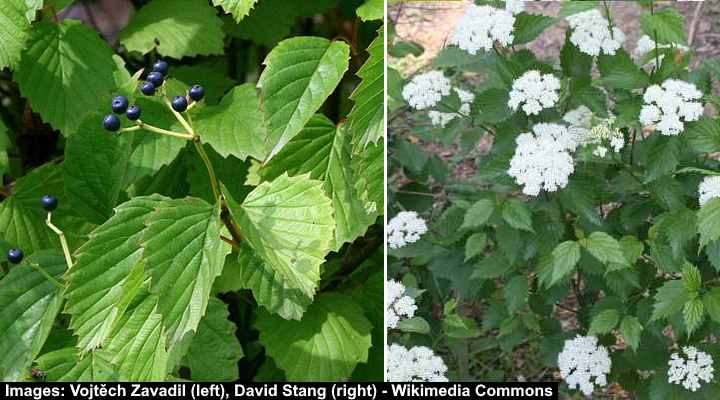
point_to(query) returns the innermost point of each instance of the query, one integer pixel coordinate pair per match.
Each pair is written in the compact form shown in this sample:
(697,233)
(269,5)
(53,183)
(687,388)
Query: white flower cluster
(709,189)
(515,6)
(542,160)
(592,33)
(602,135)
(668,105)
(535,91)
(427,89)
(646,44)
(397,304)
(405,228)
(481,26)
(443,118)
(419,364)
(688,372)
(581,360)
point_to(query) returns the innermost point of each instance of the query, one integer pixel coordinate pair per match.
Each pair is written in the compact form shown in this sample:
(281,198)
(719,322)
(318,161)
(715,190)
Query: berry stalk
(63,241)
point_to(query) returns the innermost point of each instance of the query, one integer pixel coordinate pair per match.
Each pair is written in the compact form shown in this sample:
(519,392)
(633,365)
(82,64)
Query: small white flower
(669,105)
(419,364)
(690,370)
(582,360)
(709,189)
(602,135)
(443,118)
(542,160)
(481,26)
(515,6)
(535,91)
(405,228)
(426,90)
(592,33)
(646,44)
(397,304)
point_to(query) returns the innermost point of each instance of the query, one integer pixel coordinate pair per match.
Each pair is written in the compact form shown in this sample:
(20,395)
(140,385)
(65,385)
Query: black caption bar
(315,391)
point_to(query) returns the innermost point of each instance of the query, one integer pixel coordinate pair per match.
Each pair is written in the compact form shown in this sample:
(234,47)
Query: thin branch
(63,241)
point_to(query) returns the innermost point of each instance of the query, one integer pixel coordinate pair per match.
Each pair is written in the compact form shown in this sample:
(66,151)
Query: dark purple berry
(119,104)
(161,67)
(196,92)
(147,88)
(133,112)
(111,122)
(156,78)
(49,203)
(15,256)
(179,103)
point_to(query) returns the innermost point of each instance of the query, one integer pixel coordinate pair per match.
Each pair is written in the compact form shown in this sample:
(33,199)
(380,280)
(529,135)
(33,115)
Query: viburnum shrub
(586,245)
(198,200)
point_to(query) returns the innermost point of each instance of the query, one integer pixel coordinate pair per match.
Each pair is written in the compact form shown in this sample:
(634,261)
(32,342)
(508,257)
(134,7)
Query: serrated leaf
(703,135)
(490,267)
(478,214)
(95,164)
(289,225)
(371,10)
(708,218)
(564,258)
(475,245)
(620,72)
(323,151)
(366,121)
(414,325)
(691,279)
(29,303)
(64,72)
(175,28)
(667,25)
(693,315)
(604,322)
(235,126)
(369,167)
(300,73)
(215,351)
(182,249)
(332,338)
(97,281)
(215,80)
(573,7)
(711,300)
(663,157)
(631,329)
(669,299)
(529,26)
(137,344)
(238,8)
(14,31)
(679,227)
(518,215)
(605,248)
(574,63)
(65,365)
(515,292)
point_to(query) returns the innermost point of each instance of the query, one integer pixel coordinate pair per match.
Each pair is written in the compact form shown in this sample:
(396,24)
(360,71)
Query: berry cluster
(153,81)
(49,203)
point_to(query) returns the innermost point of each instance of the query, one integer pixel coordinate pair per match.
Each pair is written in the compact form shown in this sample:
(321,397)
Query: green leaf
(65,365)
(369,167)
(323,151)
(137,345)
(238,8)
(332,338)
(529,26)
(663,157)
(366,121)
(22,219)
(478,214)
(235,126)
(711,300)
(214,79)
(669,299)
(515,293)
(708,218)
(693,315)
(691,279)
(175,28)
(95,164)
(703,135)
(620,72)
(564,258)
(679,226)
(182,249)
(300,73)
(414,325)
(491,267)
(101,276)
(371,10)
(491,106)
(605,248)
(573,7)
(574,63)
(66,70)
(14,31)
(215,351)
(630,329)
(518,215)
(475,245)
(402,49)
(667,24)
(289,225)
(29,303)
(604,322)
